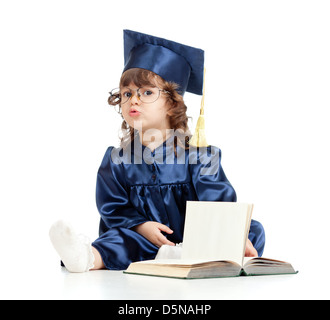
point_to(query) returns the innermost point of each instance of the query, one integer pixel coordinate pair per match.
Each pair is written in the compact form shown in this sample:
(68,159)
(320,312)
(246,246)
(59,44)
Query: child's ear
(170,106)
(169,111)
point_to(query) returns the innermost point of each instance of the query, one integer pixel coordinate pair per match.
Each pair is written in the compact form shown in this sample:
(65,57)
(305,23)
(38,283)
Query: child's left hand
(250,251)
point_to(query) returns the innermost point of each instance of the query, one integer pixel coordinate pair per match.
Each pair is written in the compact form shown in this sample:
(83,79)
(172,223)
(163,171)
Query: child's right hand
(250,251)
(152,231)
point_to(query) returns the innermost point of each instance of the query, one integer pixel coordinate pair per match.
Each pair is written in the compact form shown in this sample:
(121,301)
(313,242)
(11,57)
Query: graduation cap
(172,61)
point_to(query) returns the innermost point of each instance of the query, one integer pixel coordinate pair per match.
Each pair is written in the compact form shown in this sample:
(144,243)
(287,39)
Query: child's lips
(134,113)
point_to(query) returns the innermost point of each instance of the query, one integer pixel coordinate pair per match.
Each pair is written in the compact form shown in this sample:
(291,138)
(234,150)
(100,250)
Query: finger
(163,240)
(250,250)
(165,228)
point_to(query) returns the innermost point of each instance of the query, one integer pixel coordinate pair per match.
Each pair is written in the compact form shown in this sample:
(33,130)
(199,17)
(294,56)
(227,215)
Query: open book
(195,269)
(214,243)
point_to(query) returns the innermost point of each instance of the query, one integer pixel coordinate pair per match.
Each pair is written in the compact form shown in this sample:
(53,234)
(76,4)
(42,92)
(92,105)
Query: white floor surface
(54,282)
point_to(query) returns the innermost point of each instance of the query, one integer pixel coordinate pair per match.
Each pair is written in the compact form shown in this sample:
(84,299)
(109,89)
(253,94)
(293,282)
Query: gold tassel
(199,138)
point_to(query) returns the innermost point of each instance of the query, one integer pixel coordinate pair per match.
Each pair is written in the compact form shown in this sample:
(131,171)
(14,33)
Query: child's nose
(135,99)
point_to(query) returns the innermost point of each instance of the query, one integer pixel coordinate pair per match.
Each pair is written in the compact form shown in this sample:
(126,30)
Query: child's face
(145,116)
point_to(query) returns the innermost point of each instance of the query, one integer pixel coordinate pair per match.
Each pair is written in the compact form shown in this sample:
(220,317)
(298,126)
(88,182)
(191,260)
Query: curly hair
(177,108)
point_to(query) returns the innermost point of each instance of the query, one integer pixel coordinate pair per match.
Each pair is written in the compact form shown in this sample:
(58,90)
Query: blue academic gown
(135,185)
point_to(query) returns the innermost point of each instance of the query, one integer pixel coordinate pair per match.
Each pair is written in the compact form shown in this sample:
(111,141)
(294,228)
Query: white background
(267,100)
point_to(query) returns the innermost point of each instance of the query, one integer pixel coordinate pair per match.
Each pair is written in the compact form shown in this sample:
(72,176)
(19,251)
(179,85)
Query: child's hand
(152,231)
(250,251)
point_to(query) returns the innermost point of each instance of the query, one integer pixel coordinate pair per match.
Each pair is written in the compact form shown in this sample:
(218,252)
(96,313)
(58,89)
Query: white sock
(74,250)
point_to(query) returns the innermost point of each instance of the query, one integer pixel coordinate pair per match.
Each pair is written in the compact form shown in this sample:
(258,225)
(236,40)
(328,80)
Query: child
(142,187)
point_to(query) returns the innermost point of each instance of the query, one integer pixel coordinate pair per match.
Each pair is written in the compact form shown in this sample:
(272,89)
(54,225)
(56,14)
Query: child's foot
(74,250)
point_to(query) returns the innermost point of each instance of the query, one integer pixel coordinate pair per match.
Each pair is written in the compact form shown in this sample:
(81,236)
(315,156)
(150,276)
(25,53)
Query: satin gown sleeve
(112,198)
(208,177)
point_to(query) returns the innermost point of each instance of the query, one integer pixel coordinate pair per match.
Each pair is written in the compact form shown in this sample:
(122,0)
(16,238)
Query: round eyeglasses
(144,94)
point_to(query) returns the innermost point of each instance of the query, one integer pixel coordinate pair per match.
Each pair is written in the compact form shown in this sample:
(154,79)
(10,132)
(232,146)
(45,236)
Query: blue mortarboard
(173,61)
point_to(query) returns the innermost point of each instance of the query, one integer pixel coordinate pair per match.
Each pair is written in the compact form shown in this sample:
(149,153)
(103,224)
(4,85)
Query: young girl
(142,187)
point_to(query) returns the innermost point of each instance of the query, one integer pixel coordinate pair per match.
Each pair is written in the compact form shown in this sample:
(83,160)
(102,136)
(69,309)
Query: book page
(265,261)
(180,262)
(216,230)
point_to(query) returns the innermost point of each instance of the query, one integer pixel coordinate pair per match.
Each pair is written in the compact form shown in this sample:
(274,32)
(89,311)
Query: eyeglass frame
(137,94)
